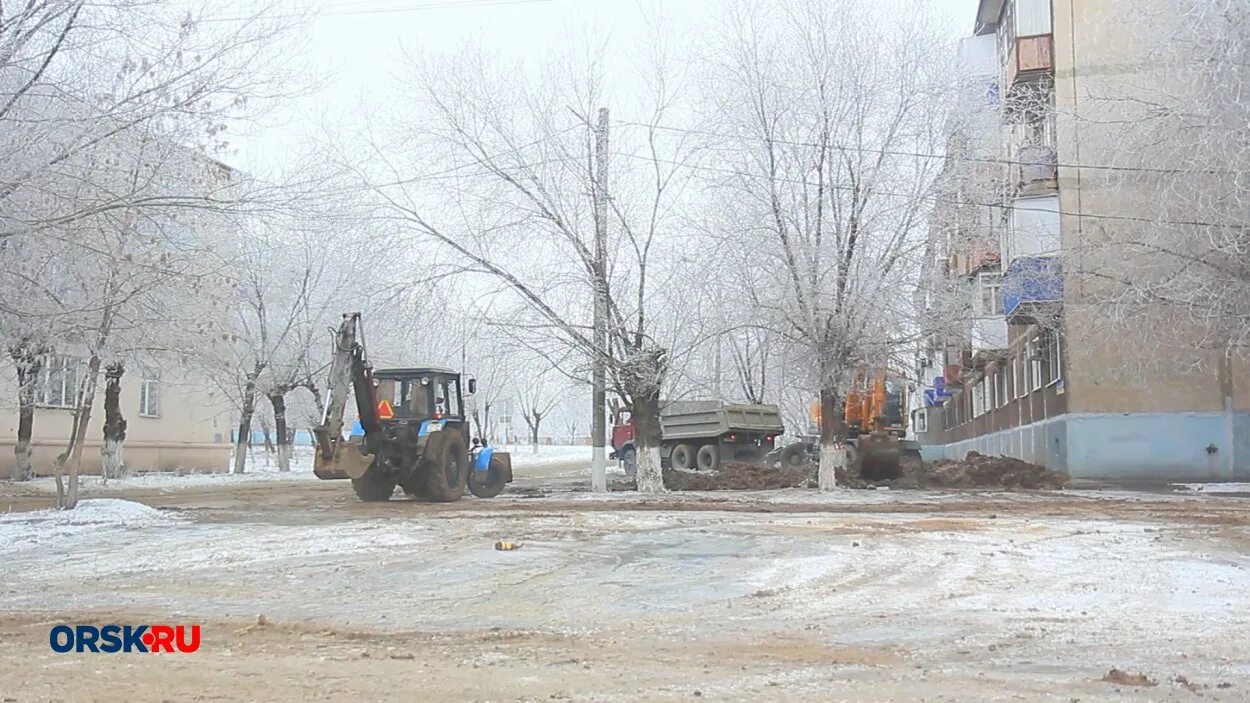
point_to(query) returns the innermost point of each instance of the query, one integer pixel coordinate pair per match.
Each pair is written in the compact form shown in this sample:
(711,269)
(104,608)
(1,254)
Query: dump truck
(414,429)
(700,434)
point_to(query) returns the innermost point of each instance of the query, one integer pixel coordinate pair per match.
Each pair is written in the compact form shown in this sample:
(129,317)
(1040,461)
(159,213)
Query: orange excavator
(876,424)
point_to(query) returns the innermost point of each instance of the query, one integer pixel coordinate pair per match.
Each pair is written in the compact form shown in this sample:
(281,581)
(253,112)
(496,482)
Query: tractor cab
(421,393)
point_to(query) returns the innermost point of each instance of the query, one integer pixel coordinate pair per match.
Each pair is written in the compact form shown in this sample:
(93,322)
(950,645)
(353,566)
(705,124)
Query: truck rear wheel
(373,486)
(682,457)
(445,467)
(708,458)
(793,456)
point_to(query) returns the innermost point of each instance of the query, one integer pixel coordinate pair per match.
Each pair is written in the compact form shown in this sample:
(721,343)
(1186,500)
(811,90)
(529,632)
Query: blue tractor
(412,433)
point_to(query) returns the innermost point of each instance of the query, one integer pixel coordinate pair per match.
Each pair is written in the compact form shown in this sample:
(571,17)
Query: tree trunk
(533,423)
(832,434)
(243,440)
(29,364)
(112,463)
(646,416)
(82,419)
(278,400)
(266,436)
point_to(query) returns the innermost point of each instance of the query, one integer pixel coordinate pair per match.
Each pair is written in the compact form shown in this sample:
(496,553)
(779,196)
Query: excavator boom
(337,457)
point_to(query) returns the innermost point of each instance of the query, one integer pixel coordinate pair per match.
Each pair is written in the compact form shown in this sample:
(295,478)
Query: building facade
(1040,369)
(173,420)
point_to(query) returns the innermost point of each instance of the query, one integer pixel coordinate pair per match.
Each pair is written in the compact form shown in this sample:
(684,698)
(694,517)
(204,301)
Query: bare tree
(538,397)
(526,173)
(823,104)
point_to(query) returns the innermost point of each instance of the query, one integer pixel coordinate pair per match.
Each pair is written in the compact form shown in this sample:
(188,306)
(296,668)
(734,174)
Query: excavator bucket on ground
(348,461)
(879,456)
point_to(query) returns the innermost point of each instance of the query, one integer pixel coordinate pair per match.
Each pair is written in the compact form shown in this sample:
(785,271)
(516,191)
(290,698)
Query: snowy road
(773,596)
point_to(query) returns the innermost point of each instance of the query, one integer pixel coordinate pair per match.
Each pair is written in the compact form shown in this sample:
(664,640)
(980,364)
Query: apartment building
(1038,370)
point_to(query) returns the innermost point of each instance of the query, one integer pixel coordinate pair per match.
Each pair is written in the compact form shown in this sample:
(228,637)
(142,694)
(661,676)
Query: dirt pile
(973,471)
(735,476)
(1124,678)
(979,471)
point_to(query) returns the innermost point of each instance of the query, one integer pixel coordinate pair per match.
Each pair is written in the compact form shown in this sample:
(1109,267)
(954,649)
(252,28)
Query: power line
(926,155)
(937,199)
(456,169)
(420,7)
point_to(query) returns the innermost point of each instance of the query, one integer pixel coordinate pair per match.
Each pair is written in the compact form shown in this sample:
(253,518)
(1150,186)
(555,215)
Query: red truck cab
(623,442)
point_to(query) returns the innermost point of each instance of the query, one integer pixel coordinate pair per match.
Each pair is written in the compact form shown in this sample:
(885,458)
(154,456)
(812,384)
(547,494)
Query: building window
(1033,357)
(1002,392)
(58,382)
(922,421)
(1054,357)
(978,399)
(150,394)
(991,288)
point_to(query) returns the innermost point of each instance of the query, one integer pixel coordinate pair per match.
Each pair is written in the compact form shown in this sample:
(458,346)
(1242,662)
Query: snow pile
(524,454)
(23,530)
(1212,487)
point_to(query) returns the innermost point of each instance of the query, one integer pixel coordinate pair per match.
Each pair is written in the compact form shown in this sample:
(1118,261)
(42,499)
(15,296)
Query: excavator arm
(349,367)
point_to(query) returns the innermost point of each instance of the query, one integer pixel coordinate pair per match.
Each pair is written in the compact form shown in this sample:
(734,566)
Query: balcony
(1032,287)
(1035,169)
(1033,230)
(989,338)
(1029,57)
(976,257)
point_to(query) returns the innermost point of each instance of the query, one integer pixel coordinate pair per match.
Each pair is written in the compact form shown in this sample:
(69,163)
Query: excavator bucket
(879,456)
(349,461)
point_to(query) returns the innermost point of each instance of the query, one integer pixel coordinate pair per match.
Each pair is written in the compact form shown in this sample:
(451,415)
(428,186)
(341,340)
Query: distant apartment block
(1030,374)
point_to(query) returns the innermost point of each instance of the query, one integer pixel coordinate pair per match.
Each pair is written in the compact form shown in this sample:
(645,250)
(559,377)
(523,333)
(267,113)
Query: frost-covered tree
(519,156)
(825,109)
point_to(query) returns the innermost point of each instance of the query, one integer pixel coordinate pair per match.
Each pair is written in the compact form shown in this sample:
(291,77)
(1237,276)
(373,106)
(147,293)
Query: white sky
(355,47)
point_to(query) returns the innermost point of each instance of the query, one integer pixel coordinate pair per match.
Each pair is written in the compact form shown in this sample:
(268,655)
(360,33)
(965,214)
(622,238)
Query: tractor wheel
(446,468)
(793,456)
(373,486)
(488,483)
(682,457)
(708,458)
(629,461)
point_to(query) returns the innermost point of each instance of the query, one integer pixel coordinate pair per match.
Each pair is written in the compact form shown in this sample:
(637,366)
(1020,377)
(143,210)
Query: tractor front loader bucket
(349,461)
(879,456)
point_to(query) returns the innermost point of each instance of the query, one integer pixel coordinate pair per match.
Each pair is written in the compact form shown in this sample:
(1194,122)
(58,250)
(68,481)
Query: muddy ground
(767,595)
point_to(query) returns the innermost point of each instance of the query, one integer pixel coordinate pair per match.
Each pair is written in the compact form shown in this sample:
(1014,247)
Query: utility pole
(599,431)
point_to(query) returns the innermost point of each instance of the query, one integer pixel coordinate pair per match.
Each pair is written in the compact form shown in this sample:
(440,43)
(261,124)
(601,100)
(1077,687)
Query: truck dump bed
(691,419)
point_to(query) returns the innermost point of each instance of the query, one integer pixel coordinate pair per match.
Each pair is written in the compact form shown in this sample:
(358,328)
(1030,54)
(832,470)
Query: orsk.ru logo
(111,639)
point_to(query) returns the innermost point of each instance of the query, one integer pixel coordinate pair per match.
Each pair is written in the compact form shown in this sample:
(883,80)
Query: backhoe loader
(414,429)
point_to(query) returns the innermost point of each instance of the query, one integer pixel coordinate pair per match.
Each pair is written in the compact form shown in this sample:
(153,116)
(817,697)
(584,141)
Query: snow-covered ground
(262,466)
(992,596)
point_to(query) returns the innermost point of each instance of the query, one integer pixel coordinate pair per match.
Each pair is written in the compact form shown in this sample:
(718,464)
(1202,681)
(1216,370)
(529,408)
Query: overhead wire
(943,157)
(938,199)
(348,12)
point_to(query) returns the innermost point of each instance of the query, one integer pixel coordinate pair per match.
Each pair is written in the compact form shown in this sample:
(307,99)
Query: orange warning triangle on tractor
(385,411)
